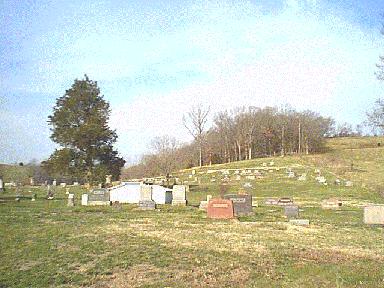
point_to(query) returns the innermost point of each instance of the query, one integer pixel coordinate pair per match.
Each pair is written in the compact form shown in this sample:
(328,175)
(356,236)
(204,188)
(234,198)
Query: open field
(46,244)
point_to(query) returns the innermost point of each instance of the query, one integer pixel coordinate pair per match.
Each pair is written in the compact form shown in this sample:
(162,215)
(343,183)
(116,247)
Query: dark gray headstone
(291,211)
(100,194)
(147,205)
(242,203)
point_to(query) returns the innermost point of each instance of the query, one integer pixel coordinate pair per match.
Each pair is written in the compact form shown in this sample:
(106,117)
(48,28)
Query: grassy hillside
(46,244)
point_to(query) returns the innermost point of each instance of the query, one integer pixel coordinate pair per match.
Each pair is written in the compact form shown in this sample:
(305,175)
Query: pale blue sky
(152,59)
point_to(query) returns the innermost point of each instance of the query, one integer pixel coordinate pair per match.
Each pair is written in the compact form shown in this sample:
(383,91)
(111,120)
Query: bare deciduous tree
(195,122)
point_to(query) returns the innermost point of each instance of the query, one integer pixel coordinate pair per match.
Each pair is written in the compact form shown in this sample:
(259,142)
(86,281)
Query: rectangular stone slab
(147,205)
(300,222)
(220,209)
(374,214)
(291,211)
(242,203)
(98,195)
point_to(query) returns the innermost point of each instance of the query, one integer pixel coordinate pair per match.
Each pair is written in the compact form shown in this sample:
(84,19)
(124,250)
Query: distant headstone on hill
(271,201)
(71,200)
(331,203)
(299,222)
(242,203)
(285,201)
(220,209)
(291,211)
(374,214)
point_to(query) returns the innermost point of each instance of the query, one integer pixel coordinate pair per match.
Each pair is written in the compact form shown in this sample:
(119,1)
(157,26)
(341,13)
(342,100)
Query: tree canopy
(80,126)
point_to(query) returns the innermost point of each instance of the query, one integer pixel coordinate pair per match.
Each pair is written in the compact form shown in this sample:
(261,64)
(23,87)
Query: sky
(154,59)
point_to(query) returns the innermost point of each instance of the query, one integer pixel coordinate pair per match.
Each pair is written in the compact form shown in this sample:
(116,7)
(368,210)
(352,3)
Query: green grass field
(46,244)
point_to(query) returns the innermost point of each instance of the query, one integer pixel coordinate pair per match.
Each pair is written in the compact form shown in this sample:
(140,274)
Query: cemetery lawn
(46,244)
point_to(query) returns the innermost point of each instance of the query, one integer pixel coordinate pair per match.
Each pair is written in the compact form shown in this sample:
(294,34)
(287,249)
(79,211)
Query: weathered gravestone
(204,204)
(179,195)
(146,202)
(84,199)
(291,211)
(300,222)
(271,201)
(220,209)
(285,201)
(1,185)
(99,196)
(242,203)
(374,214)
(331,203)
(71,200)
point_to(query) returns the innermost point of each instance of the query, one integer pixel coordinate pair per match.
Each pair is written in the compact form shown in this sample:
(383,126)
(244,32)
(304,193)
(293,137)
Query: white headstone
(84,199)
(179,195)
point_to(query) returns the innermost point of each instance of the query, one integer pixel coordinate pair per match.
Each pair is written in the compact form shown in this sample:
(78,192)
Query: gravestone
(99,196)
(31,181)
(108,179)
(331,203)
(220,209)
(348,184)
(63,184)
(285,201)
(67,190)
(291,211)
(271,201)
(291,174)
(250,177)
(84,199)
(254,202)
(71,200)
(238,178)
(179,195)
(1,185)
(204,204)
(146,202)
(303,177)
(49,192)
(146,193)
(374,214)
(300,222)
(147,205)
(242,203)
(54,182)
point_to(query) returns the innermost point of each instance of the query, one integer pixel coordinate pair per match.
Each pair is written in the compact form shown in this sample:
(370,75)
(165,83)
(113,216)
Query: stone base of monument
(99,203)
(300,222)
(147,205)
(374,214)
(179,202)
(84,199)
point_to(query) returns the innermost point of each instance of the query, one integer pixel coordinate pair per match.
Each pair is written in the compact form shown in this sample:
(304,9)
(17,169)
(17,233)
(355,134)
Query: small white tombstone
(303,177)
(238,178)
(67,190)
(348,184)
(63,184)
(193,171)
(54,182)
(84,199)
(75,183)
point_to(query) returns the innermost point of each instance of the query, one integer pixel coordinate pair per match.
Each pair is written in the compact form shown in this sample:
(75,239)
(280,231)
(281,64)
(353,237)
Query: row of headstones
(102,197)
(233,205)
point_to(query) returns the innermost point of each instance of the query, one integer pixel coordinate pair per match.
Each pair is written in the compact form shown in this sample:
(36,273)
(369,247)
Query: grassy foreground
(46,244)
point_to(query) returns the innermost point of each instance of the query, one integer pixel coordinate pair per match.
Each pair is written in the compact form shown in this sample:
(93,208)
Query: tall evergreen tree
(80,126)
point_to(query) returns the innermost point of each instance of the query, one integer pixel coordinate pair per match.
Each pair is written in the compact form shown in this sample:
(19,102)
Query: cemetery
(210,225)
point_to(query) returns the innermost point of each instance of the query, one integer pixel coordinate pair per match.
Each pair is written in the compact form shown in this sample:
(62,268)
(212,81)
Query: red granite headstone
(220,209)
